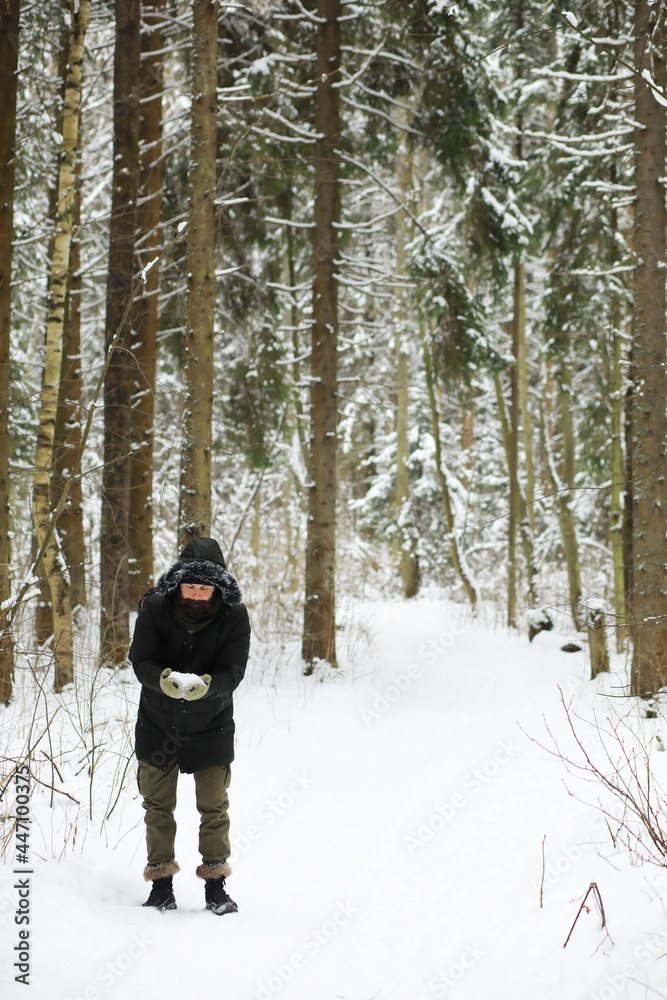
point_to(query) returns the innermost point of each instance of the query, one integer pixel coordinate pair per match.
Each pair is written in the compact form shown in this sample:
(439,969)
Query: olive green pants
(158,789)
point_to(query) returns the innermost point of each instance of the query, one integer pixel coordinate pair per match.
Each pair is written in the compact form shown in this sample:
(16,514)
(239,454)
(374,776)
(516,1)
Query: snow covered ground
(388,826)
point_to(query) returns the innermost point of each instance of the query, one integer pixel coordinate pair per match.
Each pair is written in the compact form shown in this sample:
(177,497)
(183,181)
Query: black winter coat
(199,733)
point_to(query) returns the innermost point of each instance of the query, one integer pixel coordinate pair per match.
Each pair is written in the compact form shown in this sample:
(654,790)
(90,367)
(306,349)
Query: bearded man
(189,651)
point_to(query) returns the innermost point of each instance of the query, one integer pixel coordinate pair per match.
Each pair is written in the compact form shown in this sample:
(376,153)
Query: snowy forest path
(387,831)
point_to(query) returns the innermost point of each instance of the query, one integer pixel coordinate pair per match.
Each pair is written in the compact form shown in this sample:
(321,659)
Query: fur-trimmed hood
(201,561)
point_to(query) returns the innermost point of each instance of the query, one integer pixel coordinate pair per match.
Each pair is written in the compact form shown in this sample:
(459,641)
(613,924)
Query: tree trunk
(9,48)
(458,563)
(628,498)
(56,299)
(526,419)
(566,423)
(617,477)
(195,512)
(409,563)
(594,619)
(256,534)
(67,443)
(319,624)
(43,622)
(516,510)
(562,499)
(525,533)
(467,441)
(565,497)
(140,517)
(285,201)
(114,551)
(546,414)
(614,380)
(647,607)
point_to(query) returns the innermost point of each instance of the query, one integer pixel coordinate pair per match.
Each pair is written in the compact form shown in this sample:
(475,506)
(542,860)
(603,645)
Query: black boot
(217,898)
(162,894)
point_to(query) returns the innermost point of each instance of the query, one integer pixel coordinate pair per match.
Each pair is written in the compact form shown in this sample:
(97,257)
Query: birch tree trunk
(140,518)
(647,607)
(319,620)
(9,47)
(195,499)
(56,299)
(67,443)
(114,549)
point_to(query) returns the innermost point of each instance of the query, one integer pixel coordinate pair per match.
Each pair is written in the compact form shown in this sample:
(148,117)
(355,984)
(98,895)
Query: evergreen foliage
(477,138)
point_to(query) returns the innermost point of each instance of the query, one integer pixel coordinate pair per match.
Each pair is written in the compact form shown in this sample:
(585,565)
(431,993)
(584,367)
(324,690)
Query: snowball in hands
(194,686)
(179,685)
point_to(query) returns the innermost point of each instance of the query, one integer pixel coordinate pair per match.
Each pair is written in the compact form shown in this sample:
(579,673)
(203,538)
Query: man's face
(196,591)
(196,599)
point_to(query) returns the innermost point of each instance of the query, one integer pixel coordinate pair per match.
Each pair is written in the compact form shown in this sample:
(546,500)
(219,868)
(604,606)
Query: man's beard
(196,609)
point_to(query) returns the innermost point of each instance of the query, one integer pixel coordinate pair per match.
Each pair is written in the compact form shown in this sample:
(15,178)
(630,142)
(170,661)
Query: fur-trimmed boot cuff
(214,869)
(161,870)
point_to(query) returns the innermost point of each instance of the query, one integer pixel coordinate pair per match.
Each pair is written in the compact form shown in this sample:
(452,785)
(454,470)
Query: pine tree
(114,549)
(140,519)
(319,626)
(649,377)
(195,498)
